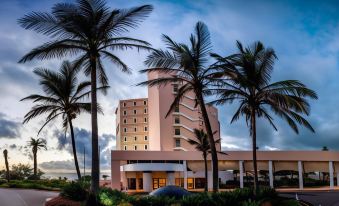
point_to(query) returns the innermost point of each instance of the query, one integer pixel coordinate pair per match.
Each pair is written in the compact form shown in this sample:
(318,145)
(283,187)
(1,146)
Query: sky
(304,34)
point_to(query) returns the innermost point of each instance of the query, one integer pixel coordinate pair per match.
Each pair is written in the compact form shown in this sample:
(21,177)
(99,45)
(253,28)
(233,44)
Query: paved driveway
(24,197)
(321,198)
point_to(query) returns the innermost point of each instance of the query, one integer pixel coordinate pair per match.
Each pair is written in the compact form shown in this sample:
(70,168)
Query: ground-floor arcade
(145,171)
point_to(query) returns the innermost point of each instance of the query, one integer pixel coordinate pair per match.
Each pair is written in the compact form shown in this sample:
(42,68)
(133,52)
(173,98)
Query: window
(177,131)
(145,129)
(135,120)
(125,121)
(125,147)
(125,129)
(145,146)
(135,111)
(145,111)
(190,183)
(125,112)
(175,88)
(177,120)
(124,104)
(125,139)
(145,102)
(145,138)
(145,119)
(135,138)
(176,109)
(135,147)
(135,103)
(177,143)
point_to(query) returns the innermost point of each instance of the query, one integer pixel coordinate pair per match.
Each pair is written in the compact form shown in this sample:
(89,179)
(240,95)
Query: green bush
(238,197)
(75,191)
(3,181)
(109,197)
(153,201)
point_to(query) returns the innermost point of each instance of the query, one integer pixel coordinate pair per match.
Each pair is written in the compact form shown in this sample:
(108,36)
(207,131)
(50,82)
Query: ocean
(71,175)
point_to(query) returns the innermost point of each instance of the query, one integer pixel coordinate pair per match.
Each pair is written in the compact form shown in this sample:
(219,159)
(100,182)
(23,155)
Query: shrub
(153,201)
(250,203)
(109,197)
(3,181)
(75,191)
(199,199)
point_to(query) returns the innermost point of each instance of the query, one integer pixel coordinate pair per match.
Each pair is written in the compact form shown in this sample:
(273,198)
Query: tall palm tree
(6,163)
(91,30)
(247,76)
(63,97)
(201,144)
(187,64)
(36,145)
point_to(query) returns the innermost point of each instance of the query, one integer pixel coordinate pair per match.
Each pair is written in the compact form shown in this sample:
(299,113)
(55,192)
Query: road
(319,198)
(24,197)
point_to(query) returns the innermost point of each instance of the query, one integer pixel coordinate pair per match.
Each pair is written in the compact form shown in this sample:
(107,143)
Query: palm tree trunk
(210,140)
(206,172)
(7,166)
(35,163)
(254,150)
(95,149)
(74,148)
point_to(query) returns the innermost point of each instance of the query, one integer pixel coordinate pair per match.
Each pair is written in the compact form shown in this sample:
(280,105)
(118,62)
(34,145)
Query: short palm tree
(187,64)
(201,144)
(63,97)
(247,76)
(36,145)
(6,163)
(92,30)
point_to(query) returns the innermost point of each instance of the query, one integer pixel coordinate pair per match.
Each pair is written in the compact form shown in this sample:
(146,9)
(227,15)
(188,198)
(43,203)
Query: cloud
(8,128)
(83,142)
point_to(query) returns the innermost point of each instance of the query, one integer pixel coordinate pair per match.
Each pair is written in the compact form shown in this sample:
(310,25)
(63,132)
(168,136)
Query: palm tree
(247,76)
(186,64)
(6,163)
(36,144)
(201,144)
(92,30)
(62,98)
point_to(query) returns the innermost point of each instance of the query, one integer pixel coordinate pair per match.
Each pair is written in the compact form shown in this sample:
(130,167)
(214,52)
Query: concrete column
(338,179)
(147,181)
(241,173)
(270,173)
(210,180)
(115,175)
(330,169)
(300,170)
(185,174)
(170,178)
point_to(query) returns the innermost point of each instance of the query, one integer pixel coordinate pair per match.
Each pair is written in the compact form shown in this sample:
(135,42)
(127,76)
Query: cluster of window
(135,112)
(135,120)
(192,183)
(135,147)
(124,104)
(135,129)
(135,138)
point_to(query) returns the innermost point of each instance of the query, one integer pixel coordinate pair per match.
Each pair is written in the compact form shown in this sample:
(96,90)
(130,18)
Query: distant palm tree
(6,163)
(247,76)
(63,98)
(201,144)
(92,30)
(187,64)
(36,145)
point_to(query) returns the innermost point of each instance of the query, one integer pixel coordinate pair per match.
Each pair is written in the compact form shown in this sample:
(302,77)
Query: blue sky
(304,34)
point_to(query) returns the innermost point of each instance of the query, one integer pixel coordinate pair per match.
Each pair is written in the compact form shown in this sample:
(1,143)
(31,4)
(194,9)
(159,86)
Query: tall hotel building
(152,149)
(141,124)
